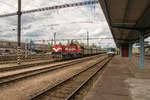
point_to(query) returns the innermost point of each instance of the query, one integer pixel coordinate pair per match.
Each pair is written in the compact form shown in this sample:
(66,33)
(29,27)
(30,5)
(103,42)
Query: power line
(108,38)
(52,8)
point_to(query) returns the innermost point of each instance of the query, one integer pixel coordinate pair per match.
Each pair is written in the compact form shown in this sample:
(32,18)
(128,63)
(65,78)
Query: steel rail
(25,60)
(35,64)
(60,83)
(22,75)
(52,8)
(25,66)
(83,84)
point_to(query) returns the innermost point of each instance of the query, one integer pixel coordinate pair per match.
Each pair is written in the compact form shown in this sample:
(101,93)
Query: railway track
(67,89)
(25,60)
(13,58)
(147,57)
(23,66)
(29,73)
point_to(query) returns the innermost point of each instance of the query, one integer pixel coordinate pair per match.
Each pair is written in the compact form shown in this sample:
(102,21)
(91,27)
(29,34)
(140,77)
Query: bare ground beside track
(20,70)
(23,90)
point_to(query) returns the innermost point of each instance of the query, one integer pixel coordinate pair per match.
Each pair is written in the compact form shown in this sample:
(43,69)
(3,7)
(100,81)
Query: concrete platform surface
(119,82)
(135,67)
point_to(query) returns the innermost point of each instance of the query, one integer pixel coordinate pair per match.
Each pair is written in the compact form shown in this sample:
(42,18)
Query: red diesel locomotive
(72,51)
(66,52)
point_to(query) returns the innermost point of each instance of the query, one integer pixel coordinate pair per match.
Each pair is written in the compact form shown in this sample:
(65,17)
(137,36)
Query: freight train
(72,51)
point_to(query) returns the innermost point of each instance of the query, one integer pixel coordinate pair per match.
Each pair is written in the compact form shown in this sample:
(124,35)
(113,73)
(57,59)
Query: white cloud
(68,23)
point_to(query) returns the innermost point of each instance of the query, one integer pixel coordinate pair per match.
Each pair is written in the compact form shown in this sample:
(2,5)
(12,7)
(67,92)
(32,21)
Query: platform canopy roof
(127,18)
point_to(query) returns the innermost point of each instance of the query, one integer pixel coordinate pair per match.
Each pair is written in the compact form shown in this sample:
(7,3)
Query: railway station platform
(122,80)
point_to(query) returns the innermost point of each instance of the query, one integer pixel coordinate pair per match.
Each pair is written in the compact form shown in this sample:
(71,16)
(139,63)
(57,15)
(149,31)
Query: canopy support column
(120,51)
(130,51)
(142,51)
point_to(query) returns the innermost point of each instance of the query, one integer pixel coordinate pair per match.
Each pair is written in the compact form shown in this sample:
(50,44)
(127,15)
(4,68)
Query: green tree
(60,43)
(76,42)
(72,42)
(31,41)
(50,46)
(68,42)
(82,44)
(93,45)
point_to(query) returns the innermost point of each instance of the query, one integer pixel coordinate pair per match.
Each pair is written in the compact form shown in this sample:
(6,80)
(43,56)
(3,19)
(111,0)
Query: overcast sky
(67,23)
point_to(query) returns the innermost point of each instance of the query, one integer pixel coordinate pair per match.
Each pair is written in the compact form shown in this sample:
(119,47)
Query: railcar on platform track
(111,51)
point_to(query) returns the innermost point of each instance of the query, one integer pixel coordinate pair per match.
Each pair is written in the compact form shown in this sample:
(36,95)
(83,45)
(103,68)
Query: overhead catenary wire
(52,8)
(107,38)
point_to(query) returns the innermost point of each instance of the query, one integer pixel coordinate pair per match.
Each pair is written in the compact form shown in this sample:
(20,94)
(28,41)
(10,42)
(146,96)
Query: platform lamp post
(51,44)
(26,48)
(87,38)
(19,33)
(55,38)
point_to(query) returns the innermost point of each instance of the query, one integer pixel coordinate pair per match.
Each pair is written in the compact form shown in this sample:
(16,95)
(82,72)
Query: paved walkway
(120,82)
(144,74)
